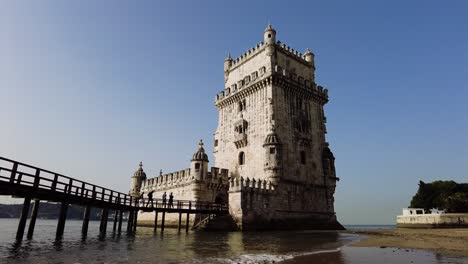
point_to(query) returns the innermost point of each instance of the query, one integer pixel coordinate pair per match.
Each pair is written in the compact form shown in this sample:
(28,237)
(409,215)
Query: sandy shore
(453,241)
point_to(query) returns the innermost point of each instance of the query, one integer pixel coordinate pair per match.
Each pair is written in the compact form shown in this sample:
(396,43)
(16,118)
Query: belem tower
(273,165)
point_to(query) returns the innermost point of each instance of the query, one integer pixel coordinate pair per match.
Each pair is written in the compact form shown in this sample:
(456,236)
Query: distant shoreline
(454,241)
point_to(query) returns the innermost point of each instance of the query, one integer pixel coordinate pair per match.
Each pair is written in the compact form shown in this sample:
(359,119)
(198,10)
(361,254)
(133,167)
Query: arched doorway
(221,198)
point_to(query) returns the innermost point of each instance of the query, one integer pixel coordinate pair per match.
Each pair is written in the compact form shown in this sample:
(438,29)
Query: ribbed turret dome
(271,139)
(139,173)
(270,28)
(200,155)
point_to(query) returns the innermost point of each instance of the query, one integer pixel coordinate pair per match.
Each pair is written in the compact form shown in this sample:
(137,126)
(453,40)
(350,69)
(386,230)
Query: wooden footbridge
(32,183)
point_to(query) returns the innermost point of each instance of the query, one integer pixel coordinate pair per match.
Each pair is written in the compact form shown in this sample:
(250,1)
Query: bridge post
(120,221)
(23,218)
(188,216)
(115,220)
(62,219)
(163,219)
(86,213)
(104,216)
(13,172)
(32,222)
(135,217)
(130,221)
(155,221)
(84,226)
(180,220)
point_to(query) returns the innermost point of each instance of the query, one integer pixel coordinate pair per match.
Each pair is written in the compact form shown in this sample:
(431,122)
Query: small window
(254,75)
(269,35)
(303,157)
(247,79)
(216,143)
(272,150)
(241,105)
(299,103)
(197,166)
(241,158)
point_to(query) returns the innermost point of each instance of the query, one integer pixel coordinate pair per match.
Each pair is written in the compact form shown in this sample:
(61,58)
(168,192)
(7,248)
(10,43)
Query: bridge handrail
(62,183)
(70,186)
(181,204)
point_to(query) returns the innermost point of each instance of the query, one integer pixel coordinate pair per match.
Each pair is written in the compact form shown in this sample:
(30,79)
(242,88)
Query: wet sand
(372,255)
(395,246)
(453,241)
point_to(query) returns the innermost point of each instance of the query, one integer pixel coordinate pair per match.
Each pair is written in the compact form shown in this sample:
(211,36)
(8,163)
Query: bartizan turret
(227,66)
(137,178)
(273,152)
(199,165)
(269,37)
(310,58)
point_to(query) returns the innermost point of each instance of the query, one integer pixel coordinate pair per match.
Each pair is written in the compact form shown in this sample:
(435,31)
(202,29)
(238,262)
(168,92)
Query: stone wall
(259,205)
(184,186)
(433,220)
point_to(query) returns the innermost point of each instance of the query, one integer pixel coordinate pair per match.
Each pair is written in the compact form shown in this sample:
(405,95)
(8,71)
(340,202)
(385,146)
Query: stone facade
(195,184)
(271,138)
(278,170)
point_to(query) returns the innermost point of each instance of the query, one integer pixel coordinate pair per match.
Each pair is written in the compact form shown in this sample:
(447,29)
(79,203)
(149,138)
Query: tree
(457,203)
(447,195)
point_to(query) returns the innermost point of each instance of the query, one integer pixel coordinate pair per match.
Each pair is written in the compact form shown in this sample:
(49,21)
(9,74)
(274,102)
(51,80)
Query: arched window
(241,105)
(303,157)
(241,158)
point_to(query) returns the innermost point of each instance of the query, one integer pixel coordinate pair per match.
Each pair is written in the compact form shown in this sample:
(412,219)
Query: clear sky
(90,88)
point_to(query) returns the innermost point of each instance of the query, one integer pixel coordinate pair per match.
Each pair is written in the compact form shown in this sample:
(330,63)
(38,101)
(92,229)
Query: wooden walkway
(32,183)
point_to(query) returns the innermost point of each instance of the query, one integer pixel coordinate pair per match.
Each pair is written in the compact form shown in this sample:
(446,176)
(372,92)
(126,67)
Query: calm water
(195,247)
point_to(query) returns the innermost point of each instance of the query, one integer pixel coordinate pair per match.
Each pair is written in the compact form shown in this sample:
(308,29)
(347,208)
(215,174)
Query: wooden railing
(18,173)
(180,205)
(21,174)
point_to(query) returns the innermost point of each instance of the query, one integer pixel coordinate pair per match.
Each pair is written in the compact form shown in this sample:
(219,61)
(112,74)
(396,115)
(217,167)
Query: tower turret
(227,66)
(199,166)
(272,166)
(269,36)
(137,178)
(310,57)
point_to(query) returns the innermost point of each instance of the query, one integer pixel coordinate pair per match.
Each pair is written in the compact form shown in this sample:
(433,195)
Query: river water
(196,247)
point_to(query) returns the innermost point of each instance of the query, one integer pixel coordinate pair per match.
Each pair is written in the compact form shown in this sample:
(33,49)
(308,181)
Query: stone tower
(271,138)
(199,163)
(138,177)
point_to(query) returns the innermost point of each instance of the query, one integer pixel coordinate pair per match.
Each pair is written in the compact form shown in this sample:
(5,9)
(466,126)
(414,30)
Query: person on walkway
(171,200)
(150,199)
(164,199)
(141,200)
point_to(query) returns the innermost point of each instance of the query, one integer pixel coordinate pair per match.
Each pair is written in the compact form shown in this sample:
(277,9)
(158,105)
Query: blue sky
(90,88)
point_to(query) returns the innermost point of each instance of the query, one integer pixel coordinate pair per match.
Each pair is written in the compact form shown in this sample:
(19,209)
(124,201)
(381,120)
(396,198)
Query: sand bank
(440,240)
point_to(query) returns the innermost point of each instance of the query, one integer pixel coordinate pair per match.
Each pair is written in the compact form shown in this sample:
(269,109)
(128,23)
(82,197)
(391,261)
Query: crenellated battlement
(248,82)
(248,54)
(292,52)
(240,184)
(167,180)
(183,177)
(260,46)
